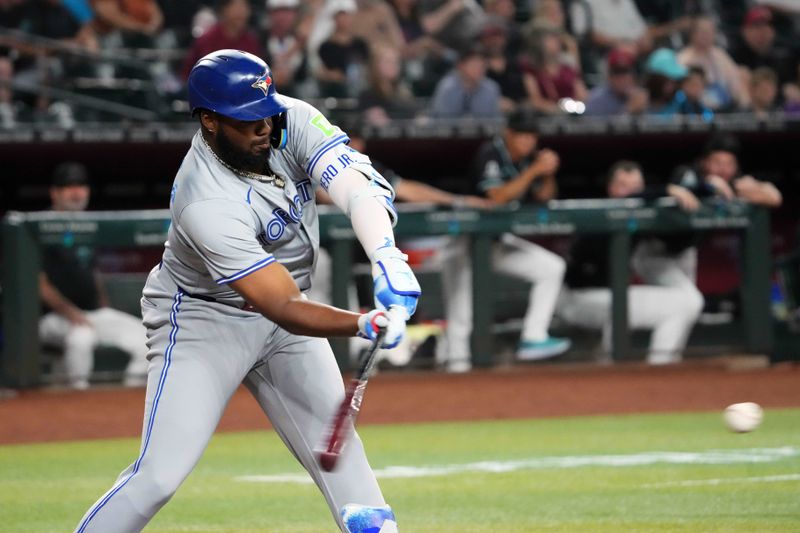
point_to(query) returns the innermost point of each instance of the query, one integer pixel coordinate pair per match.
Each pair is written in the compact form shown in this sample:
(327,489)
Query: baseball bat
(342,424)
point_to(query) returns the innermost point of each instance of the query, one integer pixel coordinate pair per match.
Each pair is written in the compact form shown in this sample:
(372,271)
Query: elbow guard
(394,284)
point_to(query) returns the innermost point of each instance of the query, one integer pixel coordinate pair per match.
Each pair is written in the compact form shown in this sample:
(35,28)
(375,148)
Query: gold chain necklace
(272,179)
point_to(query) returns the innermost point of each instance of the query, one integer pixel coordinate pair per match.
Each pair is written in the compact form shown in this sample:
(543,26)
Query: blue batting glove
(393,321)
(394,284)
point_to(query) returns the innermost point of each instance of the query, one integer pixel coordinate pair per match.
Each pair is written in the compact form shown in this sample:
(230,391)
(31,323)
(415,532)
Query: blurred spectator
(503,13)
(284,47)
(508,169)
(549,14)
(689,98)
(728,15)
(757,48)
(787,19)
(791,93)
(669,308)
(407,14)
(718,173)
(504,68)
(387,97)
(663,74)
(669,19)
(71,22)
(35,69)
(424,55)
(78,317)
(612,23)
(555,80)
(377,25)
(454,23)
(466,91)
(11,111)
(131,24)
(763,92)
(178,15)
(13,13)
(203,20)
(621,93)
(343,55)
(725,87)
(131,17)
(231,31)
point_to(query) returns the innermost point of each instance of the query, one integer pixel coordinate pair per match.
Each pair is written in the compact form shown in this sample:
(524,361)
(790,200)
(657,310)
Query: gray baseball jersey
(203,345)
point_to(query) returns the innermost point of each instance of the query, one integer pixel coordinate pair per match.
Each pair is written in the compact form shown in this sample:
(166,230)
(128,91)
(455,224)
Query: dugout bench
(620,219)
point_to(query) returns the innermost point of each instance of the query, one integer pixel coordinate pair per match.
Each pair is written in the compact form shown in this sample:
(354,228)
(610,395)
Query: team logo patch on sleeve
(263,83)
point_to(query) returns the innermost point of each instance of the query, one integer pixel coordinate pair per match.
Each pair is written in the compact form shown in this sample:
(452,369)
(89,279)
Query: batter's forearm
(366,207)
(372,225)
(303,317)
(274,294)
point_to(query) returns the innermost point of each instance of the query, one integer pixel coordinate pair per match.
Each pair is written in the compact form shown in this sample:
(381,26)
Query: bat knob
(327,460)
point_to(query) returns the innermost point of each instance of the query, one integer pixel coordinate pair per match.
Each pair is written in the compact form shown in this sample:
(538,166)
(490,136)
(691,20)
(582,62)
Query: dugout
(134,166)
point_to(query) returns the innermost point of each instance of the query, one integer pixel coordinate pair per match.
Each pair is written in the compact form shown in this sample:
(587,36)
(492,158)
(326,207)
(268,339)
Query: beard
(240,159)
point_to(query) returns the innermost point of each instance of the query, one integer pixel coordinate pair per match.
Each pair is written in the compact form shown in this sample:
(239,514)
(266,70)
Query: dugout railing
(24,233)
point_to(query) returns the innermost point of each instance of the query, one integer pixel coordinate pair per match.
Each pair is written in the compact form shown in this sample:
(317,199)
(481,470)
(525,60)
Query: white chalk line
(709,457)
(720,481)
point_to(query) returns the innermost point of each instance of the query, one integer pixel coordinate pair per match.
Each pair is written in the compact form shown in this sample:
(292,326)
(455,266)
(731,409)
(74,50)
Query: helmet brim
(272,105)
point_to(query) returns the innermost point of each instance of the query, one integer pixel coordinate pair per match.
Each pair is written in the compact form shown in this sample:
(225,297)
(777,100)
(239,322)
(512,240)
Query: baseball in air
(743,417)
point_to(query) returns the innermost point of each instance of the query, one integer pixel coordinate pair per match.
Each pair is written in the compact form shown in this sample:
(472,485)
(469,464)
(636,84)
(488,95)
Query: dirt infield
(509,392)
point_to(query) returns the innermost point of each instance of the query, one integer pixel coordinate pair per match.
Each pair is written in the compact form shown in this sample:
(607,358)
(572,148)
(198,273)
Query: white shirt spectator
(617,19)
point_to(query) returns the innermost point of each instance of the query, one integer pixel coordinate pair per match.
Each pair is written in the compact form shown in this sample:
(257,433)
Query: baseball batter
(226,304)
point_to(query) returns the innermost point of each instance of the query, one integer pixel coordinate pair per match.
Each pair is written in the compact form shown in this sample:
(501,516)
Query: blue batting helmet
(235,84)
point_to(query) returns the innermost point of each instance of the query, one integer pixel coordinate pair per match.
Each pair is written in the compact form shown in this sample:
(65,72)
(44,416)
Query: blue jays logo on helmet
(223,82)
(263,83)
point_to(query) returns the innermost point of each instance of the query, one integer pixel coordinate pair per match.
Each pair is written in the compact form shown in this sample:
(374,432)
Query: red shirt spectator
(554,78)
(556,85)
(230,32)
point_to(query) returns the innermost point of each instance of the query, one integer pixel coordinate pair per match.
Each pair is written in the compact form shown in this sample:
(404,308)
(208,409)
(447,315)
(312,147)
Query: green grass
(47,487)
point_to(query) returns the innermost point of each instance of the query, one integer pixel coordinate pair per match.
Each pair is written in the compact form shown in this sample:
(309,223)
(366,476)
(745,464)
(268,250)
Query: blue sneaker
(536,350)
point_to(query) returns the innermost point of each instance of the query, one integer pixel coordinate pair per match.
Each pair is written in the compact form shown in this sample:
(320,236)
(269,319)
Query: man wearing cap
(78,317)
(756,47)
(663,74)
(507,170)
(620,94)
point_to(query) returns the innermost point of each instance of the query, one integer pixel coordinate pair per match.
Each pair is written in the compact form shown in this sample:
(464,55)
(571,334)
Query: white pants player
(200,352)
(668,311)
(109,327)
(657,268)
(515,257)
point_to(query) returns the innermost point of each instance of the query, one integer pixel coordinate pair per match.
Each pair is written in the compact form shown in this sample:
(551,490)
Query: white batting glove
(394,282)
(393,321)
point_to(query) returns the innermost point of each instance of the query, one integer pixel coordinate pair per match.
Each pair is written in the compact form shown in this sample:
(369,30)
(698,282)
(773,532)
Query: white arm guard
(348,187)
(367,200)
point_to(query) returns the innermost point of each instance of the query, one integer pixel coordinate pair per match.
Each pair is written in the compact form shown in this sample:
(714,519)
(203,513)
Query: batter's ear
(209,121)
